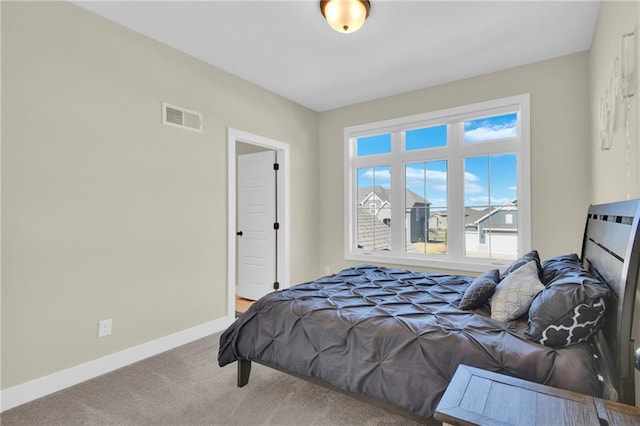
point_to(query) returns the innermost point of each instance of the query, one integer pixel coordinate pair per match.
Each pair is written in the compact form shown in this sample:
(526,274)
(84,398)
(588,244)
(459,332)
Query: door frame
(283,208)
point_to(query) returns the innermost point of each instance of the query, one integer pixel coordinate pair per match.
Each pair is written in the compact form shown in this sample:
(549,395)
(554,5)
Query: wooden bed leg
(244,369)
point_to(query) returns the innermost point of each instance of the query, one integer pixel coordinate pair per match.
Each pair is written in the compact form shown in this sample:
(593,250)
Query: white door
(256,217)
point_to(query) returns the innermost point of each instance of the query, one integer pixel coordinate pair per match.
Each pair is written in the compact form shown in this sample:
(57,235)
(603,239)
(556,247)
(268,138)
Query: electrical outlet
(104,328)
(327,270)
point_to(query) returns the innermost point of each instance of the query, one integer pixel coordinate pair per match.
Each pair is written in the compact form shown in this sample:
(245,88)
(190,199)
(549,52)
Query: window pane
(429,137)
(491,128)
(491,206)
(374,208)
(372,145)
(426,207)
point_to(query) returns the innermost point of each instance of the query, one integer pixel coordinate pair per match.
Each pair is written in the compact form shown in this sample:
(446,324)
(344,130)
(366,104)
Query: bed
(395,337)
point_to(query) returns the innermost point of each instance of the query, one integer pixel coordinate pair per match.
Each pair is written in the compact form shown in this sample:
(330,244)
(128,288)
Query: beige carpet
(185,386)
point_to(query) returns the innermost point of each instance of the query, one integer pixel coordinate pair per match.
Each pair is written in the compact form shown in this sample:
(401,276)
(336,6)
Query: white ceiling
(288,48)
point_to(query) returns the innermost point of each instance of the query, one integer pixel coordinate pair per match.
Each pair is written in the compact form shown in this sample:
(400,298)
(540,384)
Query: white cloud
(470,177)
(490,131)
(435,179)
(512,188)
(483,200)
(470,185)
(381,177)
(437,204)
(472,188)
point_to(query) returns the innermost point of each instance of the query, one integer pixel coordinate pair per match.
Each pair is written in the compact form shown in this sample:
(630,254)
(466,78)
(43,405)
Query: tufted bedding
(397,336)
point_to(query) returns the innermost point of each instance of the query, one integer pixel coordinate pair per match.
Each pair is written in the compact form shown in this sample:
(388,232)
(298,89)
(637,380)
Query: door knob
(638,359)
(239,233)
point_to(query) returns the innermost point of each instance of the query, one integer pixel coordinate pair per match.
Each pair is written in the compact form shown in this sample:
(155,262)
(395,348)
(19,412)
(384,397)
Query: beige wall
(609,179)
(559,147)
(106,212)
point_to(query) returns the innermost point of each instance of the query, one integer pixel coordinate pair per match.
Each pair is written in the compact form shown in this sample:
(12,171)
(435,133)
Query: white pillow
(515,292)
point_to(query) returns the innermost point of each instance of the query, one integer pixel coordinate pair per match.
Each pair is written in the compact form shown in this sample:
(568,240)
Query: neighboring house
(374,218)
(418,211)
(439,220)
(495,230)
(473,215)
(375,200)
(373,234)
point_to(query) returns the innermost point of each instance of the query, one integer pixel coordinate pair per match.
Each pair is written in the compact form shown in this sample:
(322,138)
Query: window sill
(462,266)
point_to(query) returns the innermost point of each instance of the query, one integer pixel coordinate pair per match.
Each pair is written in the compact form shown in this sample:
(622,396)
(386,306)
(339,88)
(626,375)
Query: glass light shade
(345,16)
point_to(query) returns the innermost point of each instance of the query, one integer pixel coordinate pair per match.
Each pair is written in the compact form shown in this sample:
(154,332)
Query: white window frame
(455,152)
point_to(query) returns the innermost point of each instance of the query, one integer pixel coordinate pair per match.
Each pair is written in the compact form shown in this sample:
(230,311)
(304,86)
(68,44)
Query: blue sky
(492,177)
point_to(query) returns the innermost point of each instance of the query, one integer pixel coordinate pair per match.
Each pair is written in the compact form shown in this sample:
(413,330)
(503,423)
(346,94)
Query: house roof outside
(384,195)
(373,234)
(511,205)
(472,215)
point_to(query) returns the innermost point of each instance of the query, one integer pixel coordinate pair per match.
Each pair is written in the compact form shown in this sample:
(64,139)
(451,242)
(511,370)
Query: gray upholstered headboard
(611,250)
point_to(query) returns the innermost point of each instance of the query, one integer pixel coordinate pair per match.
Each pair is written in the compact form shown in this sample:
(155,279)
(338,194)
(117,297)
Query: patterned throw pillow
(514,294)
(480,290)
(570,309)
(576,326)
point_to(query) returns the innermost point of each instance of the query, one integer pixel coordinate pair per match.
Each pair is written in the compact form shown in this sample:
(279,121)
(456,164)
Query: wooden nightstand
(479,397)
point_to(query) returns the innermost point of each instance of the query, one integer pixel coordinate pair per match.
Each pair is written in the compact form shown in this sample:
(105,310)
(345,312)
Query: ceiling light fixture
(345,16)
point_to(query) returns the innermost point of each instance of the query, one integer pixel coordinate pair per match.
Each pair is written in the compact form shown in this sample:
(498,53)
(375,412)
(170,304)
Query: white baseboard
(34,389)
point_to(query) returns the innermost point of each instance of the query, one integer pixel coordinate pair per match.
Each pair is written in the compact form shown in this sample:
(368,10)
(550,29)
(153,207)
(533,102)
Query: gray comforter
(395,335)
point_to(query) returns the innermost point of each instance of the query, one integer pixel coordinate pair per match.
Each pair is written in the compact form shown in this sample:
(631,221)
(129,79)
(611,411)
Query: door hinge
(276,285)
(276,226)
(276,166)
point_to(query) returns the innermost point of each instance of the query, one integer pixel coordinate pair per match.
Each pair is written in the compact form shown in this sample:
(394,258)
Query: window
(425,203)
(373,205)
(446,189)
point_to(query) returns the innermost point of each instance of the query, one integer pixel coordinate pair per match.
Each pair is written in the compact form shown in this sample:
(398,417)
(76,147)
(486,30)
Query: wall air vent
(180,117)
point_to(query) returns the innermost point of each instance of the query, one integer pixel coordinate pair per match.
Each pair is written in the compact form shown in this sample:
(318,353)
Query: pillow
(514,294)
(532,255)
(569,310)
(556,266)
(480,290)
